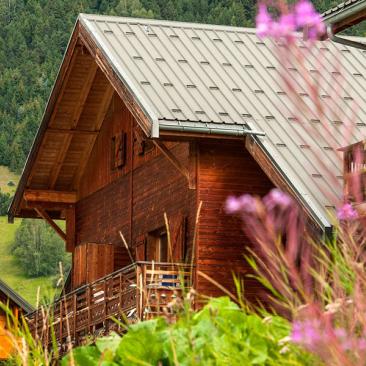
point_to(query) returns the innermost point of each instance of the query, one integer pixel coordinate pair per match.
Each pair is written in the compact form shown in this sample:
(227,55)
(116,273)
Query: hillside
(12,274)
(8,180)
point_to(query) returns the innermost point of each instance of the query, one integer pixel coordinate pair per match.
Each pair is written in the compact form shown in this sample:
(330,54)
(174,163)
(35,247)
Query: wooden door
(92,261)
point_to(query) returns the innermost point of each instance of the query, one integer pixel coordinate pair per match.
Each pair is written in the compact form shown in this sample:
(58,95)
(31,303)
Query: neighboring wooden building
(19,307)
(148,118)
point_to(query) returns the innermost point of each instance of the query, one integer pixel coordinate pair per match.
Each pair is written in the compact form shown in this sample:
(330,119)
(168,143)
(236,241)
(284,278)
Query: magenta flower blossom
(277,198)
(303,17)
(306,333)
(232,205)
(286,26)
(247,202)
(264,22)
(346,213)
(244,204)
(305,14)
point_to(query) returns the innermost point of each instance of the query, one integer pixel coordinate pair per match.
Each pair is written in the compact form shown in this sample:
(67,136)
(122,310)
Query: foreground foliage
(219,334)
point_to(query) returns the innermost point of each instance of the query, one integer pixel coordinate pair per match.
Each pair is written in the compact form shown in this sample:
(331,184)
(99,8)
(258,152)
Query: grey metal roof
(220,79)
(16,298)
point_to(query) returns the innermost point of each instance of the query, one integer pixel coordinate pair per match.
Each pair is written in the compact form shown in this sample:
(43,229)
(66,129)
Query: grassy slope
(10,272)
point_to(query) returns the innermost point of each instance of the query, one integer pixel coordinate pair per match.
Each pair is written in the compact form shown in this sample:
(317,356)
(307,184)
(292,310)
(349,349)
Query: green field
(12,274)
(7,176)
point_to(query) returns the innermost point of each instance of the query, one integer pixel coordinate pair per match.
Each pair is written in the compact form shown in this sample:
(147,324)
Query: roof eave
(16,298)
(340,19)
(15,203)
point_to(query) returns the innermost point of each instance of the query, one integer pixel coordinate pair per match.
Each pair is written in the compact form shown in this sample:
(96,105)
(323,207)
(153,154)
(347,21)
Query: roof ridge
(165,22)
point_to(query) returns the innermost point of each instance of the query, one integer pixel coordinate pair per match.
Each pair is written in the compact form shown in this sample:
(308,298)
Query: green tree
(38,249)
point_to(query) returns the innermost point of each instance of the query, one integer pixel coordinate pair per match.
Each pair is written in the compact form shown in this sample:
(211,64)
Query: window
(118,151)
(157,246)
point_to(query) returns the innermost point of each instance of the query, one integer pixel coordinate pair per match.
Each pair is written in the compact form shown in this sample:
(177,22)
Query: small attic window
(118,150)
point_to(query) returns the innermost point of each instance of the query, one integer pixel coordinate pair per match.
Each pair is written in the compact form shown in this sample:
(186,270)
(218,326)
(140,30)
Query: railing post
(88,311)
(61,322)
(140,290)
(74,317)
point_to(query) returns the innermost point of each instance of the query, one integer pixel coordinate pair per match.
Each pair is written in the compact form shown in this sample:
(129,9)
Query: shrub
(5,200)
(38,249)
(219,334)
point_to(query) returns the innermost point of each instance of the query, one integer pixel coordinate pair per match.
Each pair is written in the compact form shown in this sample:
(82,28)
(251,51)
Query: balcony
(138,292)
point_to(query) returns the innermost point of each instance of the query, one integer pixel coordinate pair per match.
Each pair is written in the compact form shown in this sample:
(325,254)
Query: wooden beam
(74,121)
(50,196)
(60,160)
(41,212)
(64,131)
(70,229)
(84,94)
(174,160)
(104,106)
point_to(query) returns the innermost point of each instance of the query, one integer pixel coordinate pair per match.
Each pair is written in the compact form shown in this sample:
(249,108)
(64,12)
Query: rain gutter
(211,131)
(344,14)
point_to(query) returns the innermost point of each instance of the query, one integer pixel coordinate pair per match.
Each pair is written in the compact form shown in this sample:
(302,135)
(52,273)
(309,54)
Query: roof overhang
(15,298)
(345,15)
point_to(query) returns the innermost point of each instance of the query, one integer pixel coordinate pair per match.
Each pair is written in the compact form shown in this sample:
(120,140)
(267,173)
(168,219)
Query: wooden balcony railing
(137,292)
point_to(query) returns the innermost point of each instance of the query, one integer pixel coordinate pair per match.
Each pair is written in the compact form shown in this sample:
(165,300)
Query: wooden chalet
(150,126)
(19,307)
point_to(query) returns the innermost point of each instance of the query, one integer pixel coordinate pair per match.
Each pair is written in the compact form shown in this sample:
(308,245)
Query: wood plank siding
(132,200)
(225,168)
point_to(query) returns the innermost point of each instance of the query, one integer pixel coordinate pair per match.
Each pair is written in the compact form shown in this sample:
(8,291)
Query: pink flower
(244,204)
(277,198)
(306,333)
(346,212)
(305,13)
(248,204)
(232,205)
(309,20)
(286,25)
(264,22)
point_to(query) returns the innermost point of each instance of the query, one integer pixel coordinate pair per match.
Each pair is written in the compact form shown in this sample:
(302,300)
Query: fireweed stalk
(319,285)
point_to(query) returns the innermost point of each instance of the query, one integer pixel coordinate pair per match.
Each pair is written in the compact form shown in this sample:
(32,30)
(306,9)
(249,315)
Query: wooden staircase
(140,291)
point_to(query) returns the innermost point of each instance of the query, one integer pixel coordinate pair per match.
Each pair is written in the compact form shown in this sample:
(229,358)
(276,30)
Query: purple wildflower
(305,14)
(304,17)
(277,198)
(286,26)
(306,333)
(361,344)
(346,213)
(245,204)
(264,22)
(248,203)
(232,205)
